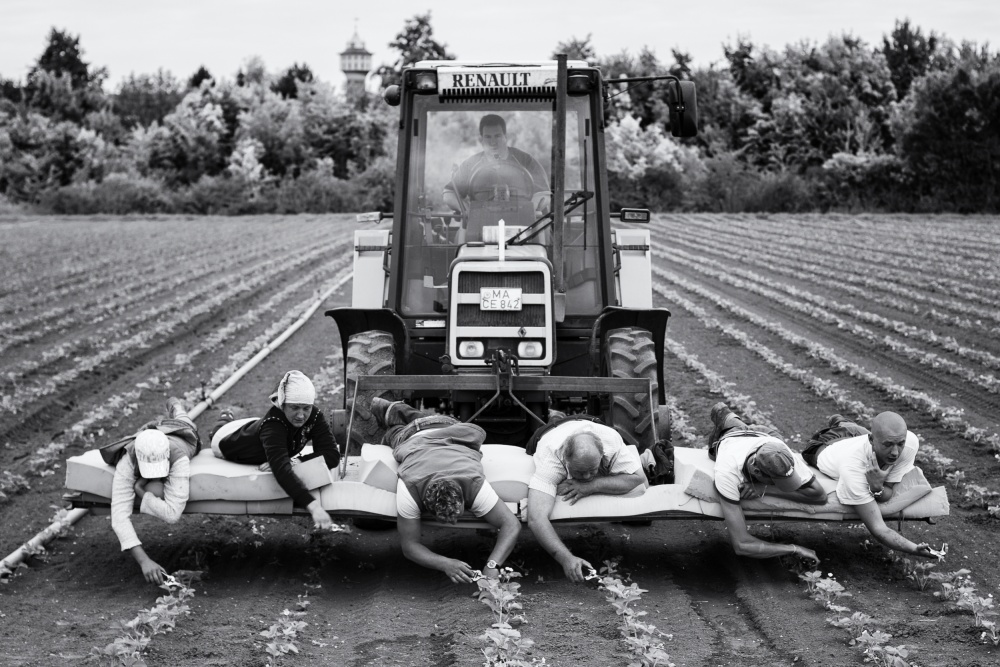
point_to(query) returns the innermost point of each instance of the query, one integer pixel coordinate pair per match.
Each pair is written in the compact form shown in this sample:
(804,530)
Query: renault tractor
(507,291)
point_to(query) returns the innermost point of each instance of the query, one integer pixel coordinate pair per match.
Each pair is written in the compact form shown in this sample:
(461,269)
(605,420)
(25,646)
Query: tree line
(911,124)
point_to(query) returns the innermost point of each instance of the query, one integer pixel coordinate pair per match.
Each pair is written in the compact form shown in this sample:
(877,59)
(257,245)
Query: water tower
(356,63)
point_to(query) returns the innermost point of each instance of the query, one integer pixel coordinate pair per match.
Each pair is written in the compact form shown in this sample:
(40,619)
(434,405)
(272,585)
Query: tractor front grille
(530,315)
(530,282)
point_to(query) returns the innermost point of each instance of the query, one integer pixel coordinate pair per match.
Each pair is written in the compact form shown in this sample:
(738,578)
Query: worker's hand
(320,516)
(491,572)
(571,490)
(924,550)
(875,477)
(543,203)
(152,572)
(458,571)
(573,568)
(747,491)
(807,554)
(140,487)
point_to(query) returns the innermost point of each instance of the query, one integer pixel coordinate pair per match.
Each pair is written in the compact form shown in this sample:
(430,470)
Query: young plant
(980,607)
(855,624)
(919,573)
(951,584)
(827,590)
(877,652)
(282,635)
(127,649)
(991,632)
(642,639)
(505,645)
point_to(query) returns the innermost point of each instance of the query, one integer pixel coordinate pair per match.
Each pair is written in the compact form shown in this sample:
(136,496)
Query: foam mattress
(369,489)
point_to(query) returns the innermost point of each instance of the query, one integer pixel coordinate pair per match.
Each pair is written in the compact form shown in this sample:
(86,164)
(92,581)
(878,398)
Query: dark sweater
(274,440)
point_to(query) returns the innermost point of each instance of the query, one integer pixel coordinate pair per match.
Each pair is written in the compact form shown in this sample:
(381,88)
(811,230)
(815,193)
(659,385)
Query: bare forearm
(754,548)
(893,540)
(549,539)
(505,542)
(614,485)
(421,555)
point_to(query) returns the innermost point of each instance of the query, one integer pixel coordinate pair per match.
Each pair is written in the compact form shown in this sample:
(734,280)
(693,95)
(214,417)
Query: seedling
(956,478)
(919,573)
(855,624)
(877,652)
(981,607)
(642,639)
(991,632)
(127,649)
(284,633)
(505,645)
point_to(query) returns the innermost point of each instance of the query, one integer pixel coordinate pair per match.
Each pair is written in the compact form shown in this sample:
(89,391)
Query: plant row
(978,495)
(836,281)
(894,292)
(127,649)
(926,263)
(819,308)
(138,283)
(949,417)
(172,314)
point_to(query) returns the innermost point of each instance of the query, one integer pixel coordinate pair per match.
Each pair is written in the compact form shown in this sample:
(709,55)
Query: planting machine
(505,291)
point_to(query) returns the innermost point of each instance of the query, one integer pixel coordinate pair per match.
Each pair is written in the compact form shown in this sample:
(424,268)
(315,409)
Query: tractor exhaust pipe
(559,188)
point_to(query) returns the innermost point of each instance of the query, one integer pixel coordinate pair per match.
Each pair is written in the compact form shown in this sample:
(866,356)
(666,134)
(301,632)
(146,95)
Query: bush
(868,182)
(728,186)
(221,195)
(377,185)
(116,194)
(316,191)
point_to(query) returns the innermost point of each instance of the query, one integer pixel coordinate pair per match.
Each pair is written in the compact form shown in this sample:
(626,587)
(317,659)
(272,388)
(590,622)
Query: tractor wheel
(368,353)
(631,353)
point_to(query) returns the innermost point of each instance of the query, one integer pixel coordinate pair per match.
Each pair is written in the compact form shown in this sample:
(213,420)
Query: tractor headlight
(530,349)
(471,349)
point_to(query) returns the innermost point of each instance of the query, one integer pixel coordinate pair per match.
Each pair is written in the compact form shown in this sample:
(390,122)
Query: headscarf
(296,388)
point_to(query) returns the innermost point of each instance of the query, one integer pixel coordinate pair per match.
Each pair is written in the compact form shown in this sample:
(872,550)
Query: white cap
(152,451)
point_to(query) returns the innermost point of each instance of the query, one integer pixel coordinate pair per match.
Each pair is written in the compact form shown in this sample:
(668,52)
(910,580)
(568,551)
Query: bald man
(574,460)
(867,466)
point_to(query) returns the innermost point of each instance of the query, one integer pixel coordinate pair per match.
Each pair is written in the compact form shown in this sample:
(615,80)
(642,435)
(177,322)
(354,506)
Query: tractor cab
(506,286)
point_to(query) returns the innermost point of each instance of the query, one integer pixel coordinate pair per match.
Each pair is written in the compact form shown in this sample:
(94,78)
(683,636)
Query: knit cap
(295,388)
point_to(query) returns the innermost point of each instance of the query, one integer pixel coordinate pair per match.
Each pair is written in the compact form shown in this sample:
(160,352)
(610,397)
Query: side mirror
(633,215)
(373,217)
(683,102)
(391,96)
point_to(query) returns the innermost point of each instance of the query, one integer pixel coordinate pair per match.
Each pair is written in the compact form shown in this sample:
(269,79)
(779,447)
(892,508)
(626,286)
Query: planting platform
(365,487)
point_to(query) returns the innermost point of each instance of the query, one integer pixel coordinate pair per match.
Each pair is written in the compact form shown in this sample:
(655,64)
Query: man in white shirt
(574,460)
(751,463)
(867,466)
(441,472)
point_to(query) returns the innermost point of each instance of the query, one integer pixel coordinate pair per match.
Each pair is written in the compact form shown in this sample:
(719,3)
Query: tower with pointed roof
(355,63)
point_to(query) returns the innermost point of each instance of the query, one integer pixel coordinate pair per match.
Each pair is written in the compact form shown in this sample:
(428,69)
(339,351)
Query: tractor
(507,292)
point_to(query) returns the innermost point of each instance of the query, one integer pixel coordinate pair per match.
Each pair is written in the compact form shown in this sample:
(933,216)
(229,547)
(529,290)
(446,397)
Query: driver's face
(494,141)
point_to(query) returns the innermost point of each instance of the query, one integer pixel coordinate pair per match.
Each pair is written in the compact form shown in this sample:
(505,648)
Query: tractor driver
(498,172)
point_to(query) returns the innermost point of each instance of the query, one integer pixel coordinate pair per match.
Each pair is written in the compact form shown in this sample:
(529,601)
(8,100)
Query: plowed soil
(369,605)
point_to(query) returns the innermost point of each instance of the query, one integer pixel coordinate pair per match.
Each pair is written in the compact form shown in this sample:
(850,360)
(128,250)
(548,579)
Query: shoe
(720,412)
(175,407)
(380,410)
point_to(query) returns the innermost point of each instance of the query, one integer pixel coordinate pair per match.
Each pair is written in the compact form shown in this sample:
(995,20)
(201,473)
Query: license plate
(500,298)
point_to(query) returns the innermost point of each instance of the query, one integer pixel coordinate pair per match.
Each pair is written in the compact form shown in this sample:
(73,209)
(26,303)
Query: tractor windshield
(474,163)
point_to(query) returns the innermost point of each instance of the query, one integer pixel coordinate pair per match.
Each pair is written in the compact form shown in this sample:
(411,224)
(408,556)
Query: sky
(128,37)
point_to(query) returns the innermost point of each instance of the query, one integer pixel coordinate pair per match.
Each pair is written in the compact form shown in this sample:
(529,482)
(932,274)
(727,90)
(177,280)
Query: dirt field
(788,319)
